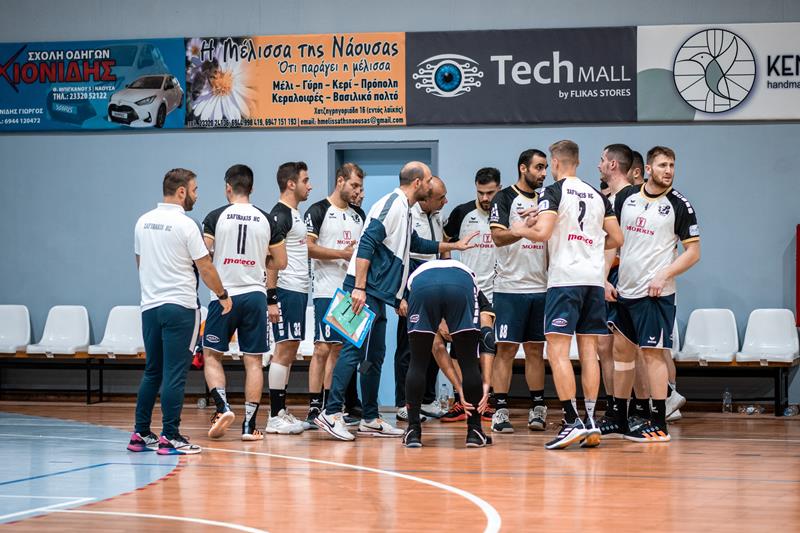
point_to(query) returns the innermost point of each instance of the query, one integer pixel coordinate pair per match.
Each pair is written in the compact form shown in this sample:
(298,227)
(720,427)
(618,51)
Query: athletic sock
(640,408)
(609,402)
(218,393)
(570,412)
(537,398)
(250,412)
(619,409)
(501,400)
(456,397)
(277,401)
(316,400)
(589,405)
(659,413)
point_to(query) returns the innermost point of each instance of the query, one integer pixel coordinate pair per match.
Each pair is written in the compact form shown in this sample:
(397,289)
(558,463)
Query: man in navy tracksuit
(377,276)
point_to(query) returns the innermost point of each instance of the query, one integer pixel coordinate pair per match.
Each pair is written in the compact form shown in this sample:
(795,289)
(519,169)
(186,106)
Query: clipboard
(339,315)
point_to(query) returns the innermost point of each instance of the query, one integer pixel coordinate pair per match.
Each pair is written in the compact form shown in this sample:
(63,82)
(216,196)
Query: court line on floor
(493,520)
(46,508)
(201,521)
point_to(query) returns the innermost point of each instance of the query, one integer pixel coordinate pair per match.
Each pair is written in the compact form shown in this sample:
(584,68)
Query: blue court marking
(46,466)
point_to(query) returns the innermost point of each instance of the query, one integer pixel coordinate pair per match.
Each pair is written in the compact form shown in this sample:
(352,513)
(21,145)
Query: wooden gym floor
(720,473)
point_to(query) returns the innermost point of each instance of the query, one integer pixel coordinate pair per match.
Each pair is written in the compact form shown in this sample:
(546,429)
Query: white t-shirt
(334,228)
(168,243)
(428,227)
(466,219)
(242,235)
(577,245)
(295,277)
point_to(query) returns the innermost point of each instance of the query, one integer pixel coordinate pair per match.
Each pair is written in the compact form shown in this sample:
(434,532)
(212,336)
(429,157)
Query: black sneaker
(635,422)
(476,438)
(568,434)
(412,438)
(593,434)
(610,427)
(648,432)
(313,412)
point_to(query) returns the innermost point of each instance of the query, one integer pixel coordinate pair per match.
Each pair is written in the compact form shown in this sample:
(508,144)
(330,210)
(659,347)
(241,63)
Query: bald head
(413,170)
(437,197)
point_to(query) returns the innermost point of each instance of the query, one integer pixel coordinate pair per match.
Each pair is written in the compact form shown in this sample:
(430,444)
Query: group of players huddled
(533,264)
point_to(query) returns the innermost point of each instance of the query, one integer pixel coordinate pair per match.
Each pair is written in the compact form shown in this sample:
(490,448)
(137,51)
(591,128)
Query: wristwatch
(223,296)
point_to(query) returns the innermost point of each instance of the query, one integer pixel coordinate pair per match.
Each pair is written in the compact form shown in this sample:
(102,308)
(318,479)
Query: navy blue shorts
(580,309)
(519,317)
(248,318)
(611,307)
(322,331)
(291,324)
(447,294)
(647,322)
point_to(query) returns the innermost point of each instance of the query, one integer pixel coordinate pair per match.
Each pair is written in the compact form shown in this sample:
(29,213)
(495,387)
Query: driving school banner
(94,85)
(719,72)
(345,80)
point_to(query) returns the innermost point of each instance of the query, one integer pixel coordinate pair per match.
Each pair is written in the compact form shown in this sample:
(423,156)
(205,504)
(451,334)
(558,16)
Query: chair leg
(100,377)
(88,382)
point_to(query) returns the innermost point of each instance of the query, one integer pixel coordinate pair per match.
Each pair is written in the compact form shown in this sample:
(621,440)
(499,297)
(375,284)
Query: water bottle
(792,410)
(727,402)
(444,398)
(754,409)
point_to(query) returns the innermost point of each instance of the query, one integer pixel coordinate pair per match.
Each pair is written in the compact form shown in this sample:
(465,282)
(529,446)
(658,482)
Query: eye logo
(447,75)
(714,70)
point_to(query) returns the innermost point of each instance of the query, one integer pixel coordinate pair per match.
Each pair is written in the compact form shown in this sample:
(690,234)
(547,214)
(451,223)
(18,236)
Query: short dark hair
(240,178)
(347,170)
(622,154)
(289,171)
(410,172)
(527,156)
(487,175)
(637,161)
(565,150)
(656,151)
(175,179)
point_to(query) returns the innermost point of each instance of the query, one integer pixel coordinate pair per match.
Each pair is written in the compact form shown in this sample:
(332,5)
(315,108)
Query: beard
(188,203)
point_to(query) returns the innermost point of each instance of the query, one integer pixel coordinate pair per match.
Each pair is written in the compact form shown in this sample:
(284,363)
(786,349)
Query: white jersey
(336,229)
(465,220)
(577,245)
(652,227)
(168,243)
(428,227)
(288,221)
(521,266)
(242,235)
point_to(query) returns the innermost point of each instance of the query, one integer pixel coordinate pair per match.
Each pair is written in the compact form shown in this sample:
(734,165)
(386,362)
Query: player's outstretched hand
(466,242)
(273,313)
(227,305)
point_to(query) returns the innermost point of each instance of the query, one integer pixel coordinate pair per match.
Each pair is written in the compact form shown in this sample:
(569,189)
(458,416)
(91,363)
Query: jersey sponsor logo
(544,205)
(243,262)
(559,322)
(639,229)
(347,235)
(694,231)
(641,222)
(576,237)
(532,246)
(413,319)
(486,238)
(212,338)
(664,210)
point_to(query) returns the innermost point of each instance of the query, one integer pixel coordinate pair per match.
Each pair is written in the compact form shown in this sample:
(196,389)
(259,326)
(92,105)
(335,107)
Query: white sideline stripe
(201,521)
(46,508)
(28,496)
(493,520)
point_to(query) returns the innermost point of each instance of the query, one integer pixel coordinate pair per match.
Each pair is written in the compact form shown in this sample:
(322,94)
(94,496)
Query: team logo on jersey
(714,70)
(356,218)
(559,322)
(212,338)
(347,235)
(413,319)
(487,238)
(694,231)
(495,215)
(663,210)
(447,75)
(544,205)
(641,222)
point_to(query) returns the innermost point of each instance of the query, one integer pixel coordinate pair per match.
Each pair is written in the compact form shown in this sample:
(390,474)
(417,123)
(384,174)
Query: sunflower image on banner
(288,81)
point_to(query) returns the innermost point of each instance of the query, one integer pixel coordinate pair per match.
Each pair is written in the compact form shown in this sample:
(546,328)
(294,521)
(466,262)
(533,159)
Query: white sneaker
(675,416)
(334,425)
(402,414)
(284,424)
(433,409)
(537,418)
(674,402)
(500,422)
(378,428)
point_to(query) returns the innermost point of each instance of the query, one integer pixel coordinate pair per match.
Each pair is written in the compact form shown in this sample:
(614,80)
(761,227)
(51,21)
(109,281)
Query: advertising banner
(719,72)
(93,85)
(287,81)
(521,76)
